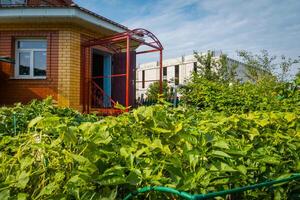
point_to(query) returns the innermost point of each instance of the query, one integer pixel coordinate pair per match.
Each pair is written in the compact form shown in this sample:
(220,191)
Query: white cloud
(227,25)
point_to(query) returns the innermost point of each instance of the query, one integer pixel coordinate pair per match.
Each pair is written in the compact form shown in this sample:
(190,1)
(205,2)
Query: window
(12,2)
(143,79)
(195,67)
(176,74)
(31,58)
(165,73)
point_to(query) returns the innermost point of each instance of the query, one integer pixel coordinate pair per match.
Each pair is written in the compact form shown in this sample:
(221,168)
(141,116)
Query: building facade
(66,51)
(176,71)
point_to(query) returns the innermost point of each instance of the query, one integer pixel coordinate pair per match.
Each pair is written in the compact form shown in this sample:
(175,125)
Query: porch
(109,70)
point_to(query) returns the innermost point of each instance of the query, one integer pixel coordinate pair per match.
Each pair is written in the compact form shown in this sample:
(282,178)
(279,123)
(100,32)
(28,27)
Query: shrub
(182,148)
(240,97)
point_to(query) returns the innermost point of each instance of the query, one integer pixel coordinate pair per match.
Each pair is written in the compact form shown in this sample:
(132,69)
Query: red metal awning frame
(139,37)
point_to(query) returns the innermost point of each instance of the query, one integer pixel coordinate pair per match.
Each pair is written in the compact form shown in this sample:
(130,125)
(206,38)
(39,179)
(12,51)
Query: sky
(184,26)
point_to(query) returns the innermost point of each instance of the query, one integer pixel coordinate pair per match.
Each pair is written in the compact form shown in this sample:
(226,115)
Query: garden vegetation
(224,135)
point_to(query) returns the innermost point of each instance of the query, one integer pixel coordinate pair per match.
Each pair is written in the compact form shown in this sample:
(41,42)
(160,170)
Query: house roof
(67,5)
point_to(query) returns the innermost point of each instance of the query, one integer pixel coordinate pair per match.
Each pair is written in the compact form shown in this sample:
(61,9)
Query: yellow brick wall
(69,69)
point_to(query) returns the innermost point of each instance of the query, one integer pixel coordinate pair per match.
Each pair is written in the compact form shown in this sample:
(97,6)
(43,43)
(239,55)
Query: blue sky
(228,25)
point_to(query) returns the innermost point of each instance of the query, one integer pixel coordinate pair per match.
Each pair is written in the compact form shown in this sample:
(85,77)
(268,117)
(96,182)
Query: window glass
(176,74)
(24,63)
(195,67)
(12,2)
(31,58)
(39,63)
(165,73)
(5,2)
(143,79)
(31,44)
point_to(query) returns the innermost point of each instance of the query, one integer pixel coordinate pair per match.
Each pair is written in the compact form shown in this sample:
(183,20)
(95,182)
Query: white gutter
(66,13)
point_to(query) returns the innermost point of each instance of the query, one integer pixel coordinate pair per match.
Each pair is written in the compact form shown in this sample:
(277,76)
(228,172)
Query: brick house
(81,59)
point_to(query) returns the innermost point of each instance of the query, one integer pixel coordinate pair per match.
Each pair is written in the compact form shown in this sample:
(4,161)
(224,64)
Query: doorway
(101,79)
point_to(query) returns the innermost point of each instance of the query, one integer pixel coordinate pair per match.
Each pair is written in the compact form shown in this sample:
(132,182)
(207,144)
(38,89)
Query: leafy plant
(55,157)
(265,95)
(15,119)
(215,69)
(153,92)
(266,66)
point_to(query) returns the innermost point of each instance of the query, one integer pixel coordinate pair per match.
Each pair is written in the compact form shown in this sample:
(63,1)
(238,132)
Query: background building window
(195,67)
(12,2)
(31,58)
(143,79)
(176,74)
(165,73)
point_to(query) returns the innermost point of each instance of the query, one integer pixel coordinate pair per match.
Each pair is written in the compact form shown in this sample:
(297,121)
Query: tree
(154,91)
(266,66)
(285,66)
(214,69)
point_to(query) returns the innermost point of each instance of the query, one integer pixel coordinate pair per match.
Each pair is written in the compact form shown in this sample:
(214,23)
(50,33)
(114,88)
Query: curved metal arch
(135,34)
(142,32)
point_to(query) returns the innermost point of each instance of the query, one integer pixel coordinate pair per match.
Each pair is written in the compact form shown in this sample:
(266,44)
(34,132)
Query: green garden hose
(188,196)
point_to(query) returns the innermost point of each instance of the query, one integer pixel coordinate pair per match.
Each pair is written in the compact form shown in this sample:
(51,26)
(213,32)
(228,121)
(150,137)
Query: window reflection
(24,68)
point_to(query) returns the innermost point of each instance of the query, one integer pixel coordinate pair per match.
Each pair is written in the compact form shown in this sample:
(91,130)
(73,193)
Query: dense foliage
(59,157)
(15,119)
(266,95)
(154,91)
(224,135)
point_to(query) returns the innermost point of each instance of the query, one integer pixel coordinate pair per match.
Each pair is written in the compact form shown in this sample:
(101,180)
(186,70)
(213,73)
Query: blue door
(107,80)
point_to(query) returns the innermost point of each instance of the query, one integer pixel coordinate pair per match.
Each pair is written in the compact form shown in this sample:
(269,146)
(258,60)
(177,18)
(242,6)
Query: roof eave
(75,12)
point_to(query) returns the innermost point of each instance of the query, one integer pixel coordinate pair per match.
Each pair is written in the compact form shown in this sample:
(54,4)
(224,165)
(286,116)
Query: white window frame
(31,71)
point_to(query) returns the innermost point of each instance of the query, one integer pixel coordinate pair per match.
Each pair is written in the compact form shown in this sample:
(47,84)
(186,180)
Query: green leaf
(253,132)
(5,194)
(134,177)
(49,189)
(226,168)
(26,162)
(178,127)
(270,160)
(69,137)
(161,130)
(112,180)
(189,138)
(22,196)
(22,180)
(78,158)
(221,144)
(220,154)
(33,122)
(290,116)
(123,152)
(242,169)
(263,122)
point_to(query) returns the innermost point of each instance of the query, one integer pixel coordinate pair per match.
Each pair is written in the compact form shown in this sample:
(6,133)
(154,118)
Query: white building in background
(176,71)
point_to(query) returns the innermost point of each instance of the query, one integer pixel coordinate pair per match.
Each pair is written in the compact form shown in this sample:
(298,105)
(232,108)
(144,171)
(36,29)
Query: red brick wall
(18,90)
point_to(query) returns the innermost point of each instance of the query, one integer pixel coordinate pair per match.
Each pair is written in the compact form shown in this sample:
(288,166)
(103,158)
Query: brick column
(69,70)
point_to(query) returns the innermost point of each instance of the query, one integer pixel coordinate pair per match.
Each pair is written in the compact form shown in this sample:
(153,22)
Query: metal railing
(100,99)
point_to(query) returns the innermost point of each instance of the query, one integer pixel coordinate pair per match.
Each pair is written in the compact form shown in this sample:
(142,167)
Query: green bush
(197,152)
(266,95)
(15,119)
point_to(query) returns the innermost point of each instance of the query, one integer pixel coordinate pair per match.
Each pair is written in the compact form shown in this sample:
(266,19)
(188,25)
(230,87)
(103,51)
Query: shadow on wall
(14,91)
